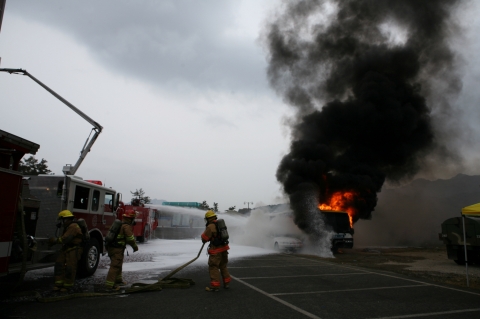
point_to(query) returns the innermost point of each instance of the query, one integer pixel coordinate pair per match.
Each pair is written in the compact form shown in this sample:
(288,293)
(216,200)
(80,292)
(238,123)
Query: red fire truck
(23,241)
(12,244)
(97,205)
(146,221)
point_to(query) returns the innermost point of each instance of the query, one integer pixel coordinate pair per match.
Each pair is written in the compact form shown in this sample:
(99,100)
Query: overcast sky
(179,87)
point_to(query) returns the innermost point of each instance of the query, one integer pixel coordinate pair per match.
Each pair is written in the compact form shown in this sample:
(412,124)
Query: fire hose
(165,282)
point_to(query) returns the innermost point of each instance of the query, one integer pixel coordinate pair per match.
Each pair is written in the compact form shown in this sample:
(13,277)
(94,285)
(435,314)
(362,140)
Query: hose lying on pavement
(166,282)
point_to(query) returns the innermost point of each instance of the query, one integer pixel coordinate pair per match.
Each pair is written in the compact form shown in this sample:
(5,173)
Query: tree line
(31,166)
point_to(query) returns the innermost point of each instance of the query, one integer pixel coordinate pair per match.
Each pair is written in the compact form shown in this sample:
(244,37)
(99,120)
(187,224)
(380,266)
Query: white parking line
(344,274)
(346,290)
(431,314)
(274,266)
(306,313)
(272,259)
(391,276)
(360,272)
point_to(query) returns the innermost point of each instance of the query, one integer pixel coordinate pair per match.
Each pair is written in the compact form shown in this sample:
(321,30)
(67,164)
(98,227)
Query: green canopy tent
(474,211)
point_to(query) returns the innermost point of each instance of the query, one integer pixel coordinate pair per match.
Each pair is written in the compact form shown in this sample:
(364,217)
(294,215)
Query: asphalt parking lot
(319,289)
(276,286)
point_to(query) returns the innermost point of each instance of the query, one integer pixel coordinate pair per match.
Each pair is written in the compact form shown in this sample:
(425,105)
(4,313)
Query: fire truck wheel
(90,258)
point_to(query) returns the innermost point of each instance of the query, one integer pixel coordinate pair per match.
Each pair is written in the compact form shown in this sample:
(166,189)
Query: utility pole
(248,204)
(2,10)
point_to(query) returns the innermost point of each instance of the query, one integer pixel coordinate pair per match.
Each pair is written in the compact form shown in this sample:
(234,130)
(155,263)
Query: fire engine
(99,206)
(12,243)
(146,220)
(23,241)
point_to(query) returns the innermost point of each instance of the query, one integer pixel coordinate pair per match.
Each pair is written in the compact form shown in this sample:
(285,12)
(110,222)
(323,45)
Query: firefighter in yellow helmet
(218,254)
(116,251)
(70,253)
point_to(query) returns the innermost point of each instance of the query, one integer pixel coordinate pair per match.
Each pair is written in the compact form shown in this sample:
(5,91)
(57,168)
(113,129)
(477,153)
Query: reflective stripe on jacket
(213,251)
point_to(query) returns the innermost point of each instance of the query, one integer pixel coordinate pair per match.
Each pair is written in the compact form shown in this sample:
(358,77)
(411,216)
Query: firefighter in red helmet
(70,253)
(218,254)
(116,251)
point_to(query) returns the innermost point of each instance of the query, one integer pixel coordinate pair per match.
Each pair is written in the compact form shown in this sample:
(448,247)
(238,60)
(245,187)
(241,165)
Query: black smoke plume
(359,73)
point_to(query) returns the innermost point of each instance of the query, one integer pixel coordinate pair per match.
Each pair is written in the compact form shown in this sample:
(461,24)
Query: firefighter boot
(113,288)
(66,290)
(211,289)
(226,281)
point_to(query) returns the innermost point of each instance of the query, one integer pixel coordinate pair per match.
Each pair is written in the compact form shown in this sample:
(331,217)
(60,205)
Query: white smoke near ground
(320,244)
(234,220)
(319,240)
(260,228)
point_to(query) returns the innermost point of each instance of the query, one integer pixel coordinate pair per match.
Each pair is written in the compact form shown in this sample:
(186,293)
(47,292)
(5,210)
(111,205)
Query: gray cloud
(176,43)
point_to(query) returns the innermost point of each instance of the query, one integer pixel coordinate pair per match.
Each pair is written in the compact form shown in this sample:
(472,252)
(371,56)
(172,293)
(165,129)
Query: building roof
(10,142)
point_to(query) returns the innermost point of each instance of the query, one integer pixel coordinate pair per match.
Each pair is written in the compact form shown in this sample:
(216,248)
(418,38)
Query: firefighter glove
(135,248)
(52,241)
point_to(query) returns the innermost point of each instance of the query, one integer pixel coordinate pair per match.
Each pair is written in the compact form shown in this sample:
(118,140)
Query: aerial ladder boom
(97,128)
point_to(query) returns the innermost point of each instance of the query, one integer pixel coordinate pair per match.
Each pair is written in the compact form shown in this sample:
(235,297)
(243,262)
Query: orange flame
(340,201)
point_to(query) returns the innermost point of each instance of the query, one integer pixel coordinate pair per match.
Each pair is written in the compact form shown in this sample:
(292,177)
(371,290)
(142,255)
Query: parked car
(287,242)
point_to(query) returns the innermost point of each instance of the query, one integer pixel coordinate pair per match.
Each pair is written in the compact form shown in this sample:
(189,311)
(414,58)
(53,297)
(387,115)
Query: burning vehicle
(339,223)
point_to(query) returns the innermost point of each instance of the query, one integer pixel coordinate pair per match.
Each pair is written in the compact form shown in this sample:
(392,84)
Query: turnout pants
(116,261)
(66,266)
(217,265)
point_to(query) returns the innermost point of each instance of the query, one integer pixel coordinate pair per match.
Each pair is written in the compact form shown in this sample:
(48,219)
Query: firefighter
(67,261)
(116,251)
(218,254)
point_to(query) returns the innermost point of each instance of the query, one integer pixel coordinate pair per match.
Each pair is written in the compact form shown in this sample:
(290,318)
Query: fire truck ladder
(97,128)
(68,169)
